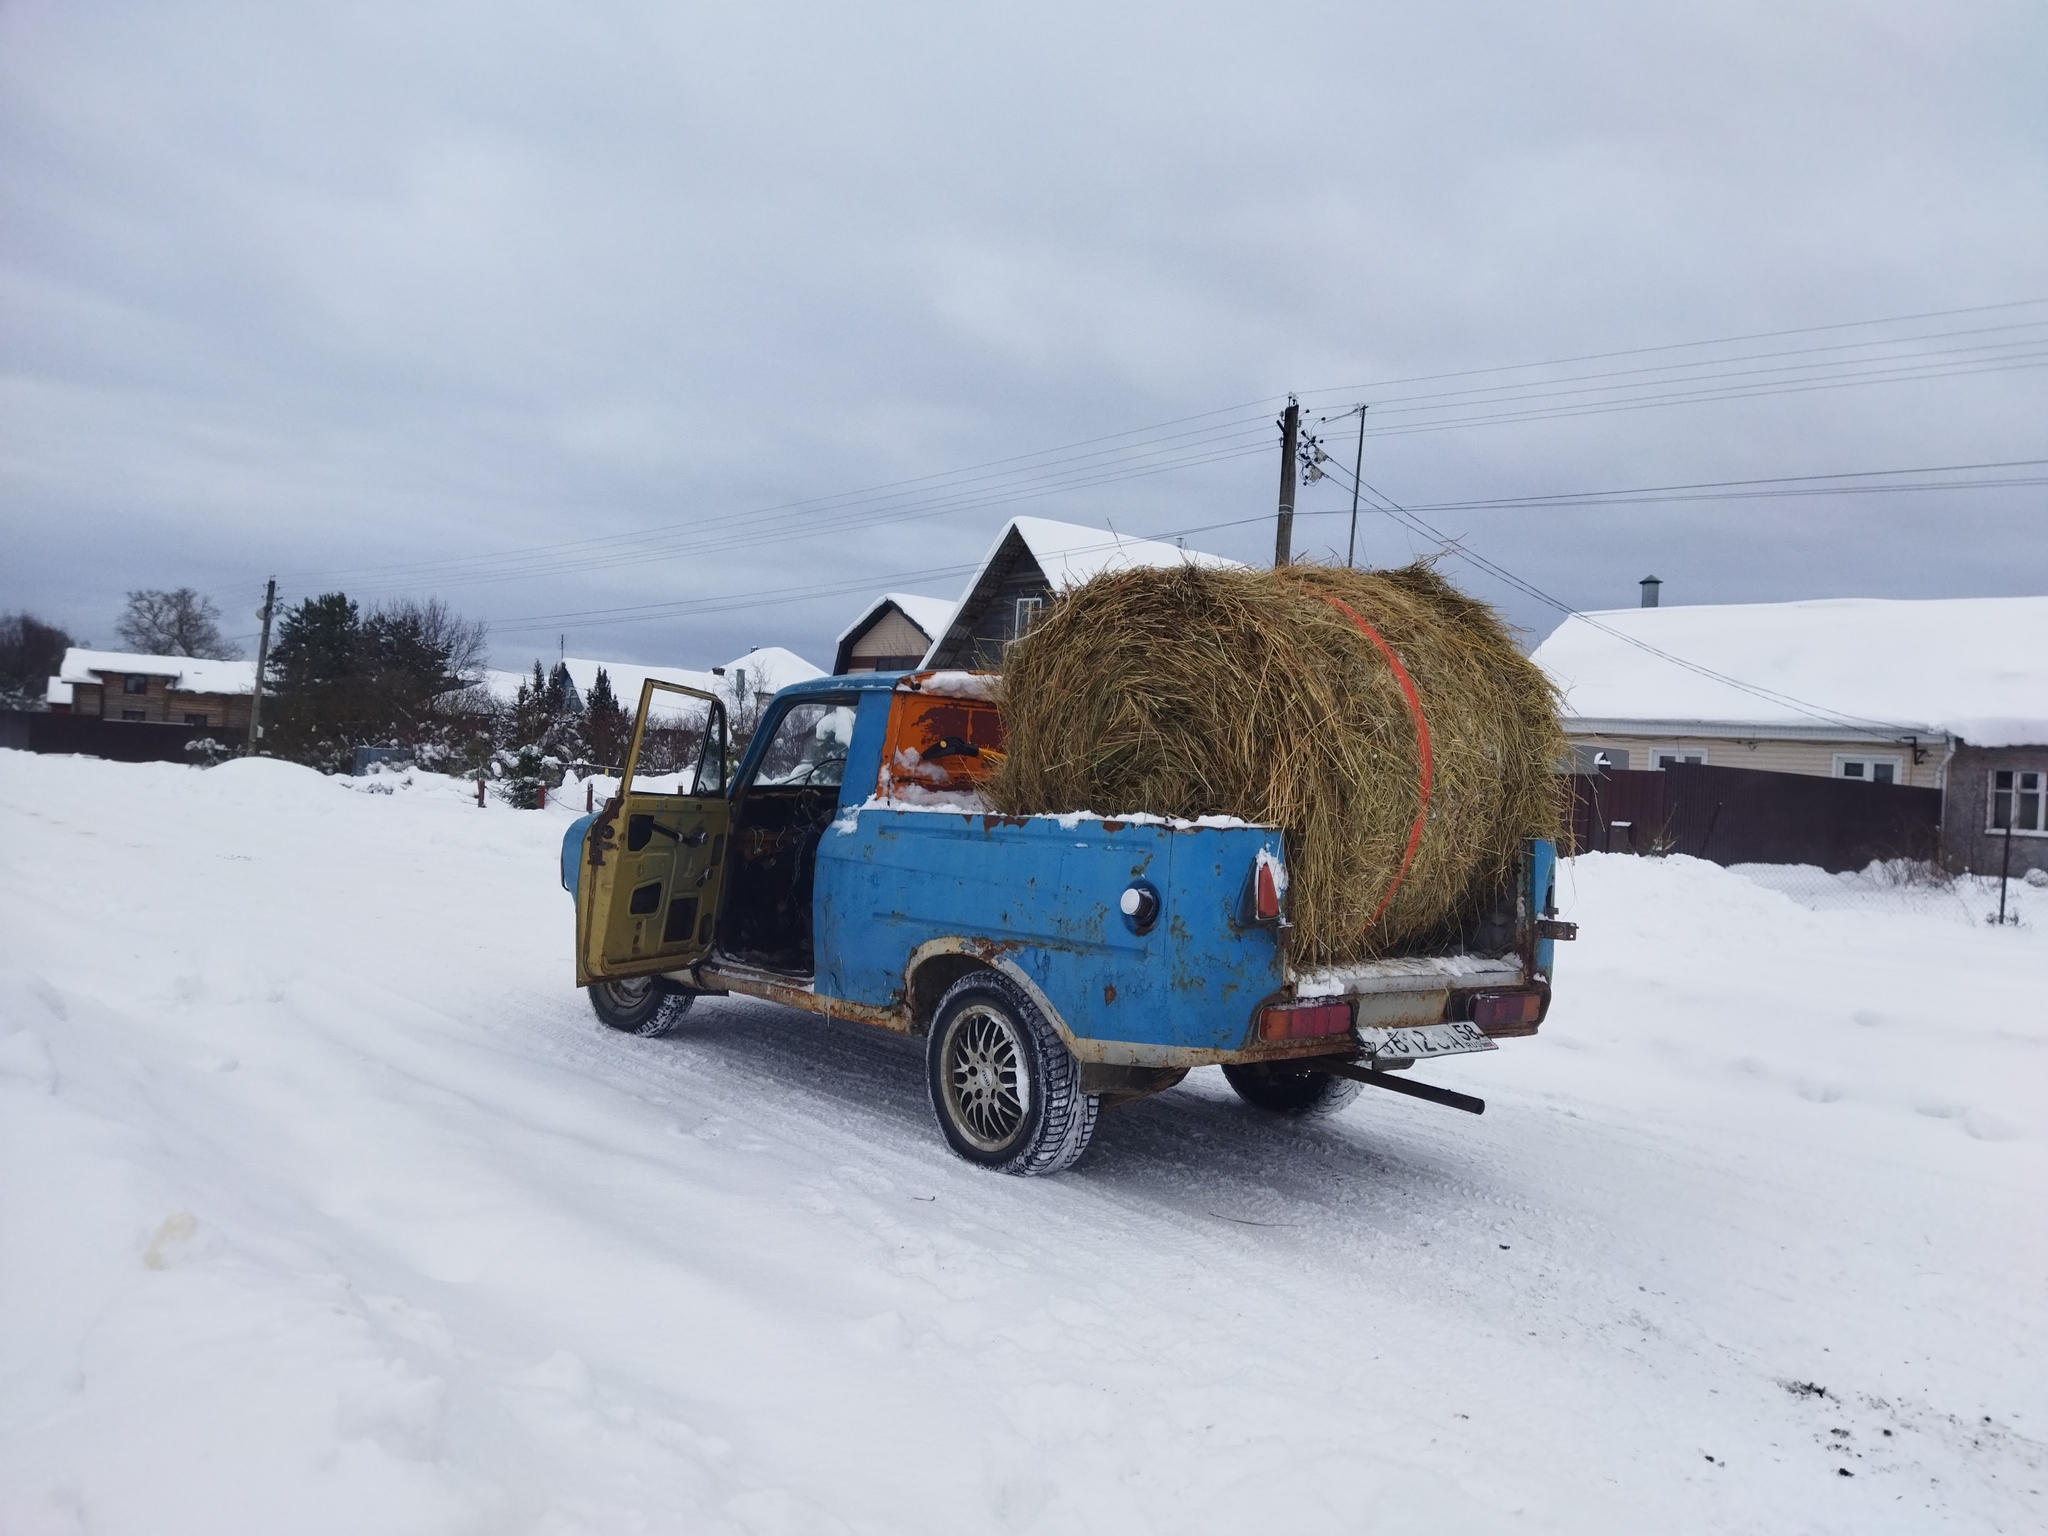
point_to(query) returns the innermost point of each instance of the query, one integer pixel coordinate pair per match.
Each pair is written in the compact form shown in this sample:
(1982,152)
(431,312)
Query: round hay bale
(1196,692)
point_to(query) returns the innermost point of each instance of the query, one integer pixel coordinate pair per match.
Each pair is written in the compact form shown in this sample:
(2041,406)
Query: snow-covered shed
(1948,693)
(892,633)
(1032,559)
(178,690)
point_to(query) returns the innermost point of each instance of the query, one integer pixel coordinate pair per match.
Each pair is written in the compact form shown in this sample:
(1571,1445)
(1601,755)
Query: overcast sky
(608,311)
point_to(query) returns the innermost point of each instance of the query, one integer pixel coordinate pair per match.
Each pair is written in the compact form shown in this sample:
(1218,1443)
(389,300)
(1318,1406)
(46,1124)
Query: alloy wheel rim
(630,993)
(987,1088)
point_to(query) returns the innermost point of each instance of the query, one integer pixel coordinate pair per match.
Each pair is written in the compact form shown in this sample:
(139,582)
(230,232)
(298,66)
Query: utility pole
(1290,436)
(262,659)
(1357,469)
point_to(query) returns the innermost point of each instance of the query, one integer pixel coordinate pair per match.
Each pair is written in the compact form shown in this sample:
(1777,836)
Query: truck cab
(1056,966)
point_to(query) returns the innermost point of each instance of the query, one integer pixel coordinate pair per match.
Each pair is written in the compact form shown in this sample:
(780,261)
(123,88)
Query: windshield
(809,746)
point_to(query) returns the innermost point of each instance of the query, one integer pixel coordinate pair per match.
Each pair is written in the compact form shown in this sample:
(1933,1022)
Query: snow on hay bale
(1284,697)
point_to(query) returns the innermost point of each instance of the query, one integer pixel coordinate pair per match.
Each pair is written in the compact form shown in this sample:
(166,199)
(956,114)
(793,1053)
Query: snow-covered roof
(768,669)
(188,674)
(1071,553)
(1976,668)
(59,692)
(930,614)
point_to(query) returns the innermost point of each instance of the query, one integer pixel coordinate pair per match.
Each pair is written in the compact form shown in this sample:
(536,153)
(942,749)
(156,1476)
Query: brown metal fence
(125,741)
(1748,816)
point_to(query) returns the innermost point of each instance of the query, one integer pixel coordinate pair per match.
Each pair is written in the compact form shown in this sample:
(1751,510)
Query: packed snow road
(326,1205)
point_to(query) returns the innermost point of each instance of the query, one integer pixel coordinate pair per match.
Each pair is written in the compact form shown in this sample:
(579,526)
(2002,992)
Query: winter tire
(1282,1088)
(1005,1087)
(640,1005)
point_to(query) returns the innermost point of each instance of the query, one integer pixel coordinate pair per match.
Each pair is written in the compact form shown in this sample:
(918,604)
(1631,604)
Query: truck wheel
(1281,1088)
(1006,1088)
(639,1005)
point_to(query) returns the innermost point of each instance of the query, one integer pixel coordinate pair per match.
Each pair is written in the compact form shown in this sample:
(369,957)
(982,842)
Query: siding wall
(159,705)
(891,635)
(1775,755)
(1968,842)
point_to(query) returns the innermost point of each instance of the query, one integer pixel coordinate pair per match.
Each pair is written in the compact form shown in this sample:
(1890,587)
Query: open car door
(654,860)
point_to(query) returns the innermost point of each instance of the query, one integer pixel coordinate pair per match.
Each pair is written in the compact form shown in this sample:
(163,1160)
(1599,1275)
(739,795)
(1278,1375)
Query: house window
(1027,615)
(1870,770)
(133,714)
(2016,800)
(195,719)
(135,682)
(1665,757)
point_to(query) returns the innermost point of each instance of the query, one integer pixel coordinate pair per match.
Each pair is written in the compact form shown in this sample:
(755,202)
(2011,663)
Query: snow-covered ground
(326,1206)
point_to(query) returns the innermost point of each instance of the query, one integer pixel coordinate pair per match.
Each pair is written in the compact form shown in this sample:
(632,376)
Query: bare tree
(432,638)
(30,652)
(180,623)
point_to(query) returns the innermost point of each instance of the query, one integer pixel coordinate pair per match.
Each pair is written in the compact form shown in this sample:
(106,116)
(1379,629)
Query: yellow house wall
(1775,756)
(892,635)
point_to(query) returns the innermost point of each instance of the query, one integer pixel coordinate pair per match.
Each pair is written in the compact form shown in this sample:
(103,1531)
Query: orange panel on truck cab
(939,744)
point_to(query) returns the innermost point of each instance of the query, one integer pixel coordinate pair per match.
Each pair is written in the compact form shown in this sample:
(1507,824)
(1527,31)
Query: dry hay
(1192,692)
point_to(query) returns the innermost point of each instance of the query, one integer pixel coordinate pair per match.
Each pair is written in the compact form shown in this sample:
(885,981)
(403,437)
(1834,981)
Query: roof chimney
(1650,586)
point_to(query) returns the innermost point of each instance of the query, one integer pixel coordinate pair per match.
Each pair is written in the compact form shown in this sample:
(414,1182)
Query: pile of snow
(1974,667)
(329,1208)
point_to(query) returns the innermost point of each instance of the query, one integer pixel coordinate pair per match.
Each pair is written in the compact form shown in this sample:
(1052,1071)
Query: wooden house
(1033,559)
(166,690)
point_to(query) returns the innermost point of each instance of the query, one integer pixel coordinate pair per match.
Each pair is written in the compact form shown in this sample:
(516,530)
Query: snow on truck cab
(1056,966)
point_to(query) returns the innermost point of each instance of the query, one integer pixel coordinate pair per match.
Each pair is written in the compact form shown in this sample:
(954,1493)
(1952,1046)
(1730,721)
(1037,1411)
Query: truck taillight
(1266,898)
(1305,1021)
(1488,1009)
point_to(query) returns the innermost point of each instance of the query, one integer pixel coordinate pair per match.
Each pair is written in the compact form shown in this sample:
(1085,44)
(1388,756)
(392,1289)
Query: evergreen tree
(315,646)
(524,785)
(394,677)
(607,728)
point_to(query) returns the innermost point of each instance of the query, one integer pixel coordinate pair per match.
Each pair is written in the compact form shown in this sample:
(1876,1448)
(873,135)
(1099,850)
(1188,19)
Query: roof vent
(1650,586)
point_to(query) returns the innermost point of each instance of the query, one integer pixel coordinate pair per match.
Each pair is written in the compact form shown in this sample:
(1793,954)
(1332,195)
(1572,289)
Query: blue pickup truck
(1055,966)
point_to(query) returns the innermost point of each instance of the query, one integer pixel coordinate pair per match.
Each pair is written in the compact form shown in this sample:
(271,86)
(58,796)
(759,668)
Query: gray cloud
(342,294)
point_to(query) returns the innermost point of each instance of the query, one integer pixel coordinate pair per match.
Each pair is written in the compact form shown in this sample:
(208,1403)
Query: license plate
(1420,1040)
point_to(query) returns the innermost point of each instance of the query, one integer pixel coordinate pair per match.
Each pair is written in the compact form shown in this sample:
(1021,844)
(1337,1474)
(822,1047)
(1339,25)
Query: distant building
(758,675)
(1948,694)
(166,690)
(1033,559)
(892,633)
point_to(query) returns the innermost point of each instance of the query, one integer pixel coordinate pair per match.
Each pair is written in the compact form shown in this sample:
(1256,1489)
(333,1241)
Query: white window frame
(1658,754)
(1025,615)
(1870,760)
(2017,776)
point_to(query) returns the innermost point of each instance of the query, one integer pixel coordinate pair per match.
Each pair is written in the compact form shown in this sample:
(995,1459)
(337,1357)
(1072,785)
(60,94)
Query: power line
(1855,724)
(1680,346)
(1153,448)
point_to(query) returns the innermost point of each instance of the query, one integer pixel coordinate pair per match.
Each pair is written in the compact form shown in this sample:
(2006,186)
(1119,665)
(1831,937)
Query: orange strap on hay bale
(1421,741)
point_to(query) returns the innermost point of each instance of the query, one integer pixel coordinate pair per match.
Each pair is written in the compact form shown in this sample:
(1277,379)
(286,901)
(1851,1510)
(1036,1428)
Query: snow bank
(327,1207)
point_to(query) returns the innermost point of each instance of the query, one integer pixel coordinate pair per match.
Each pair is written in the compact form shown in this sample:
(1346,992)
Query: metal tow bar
(1393,1084)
